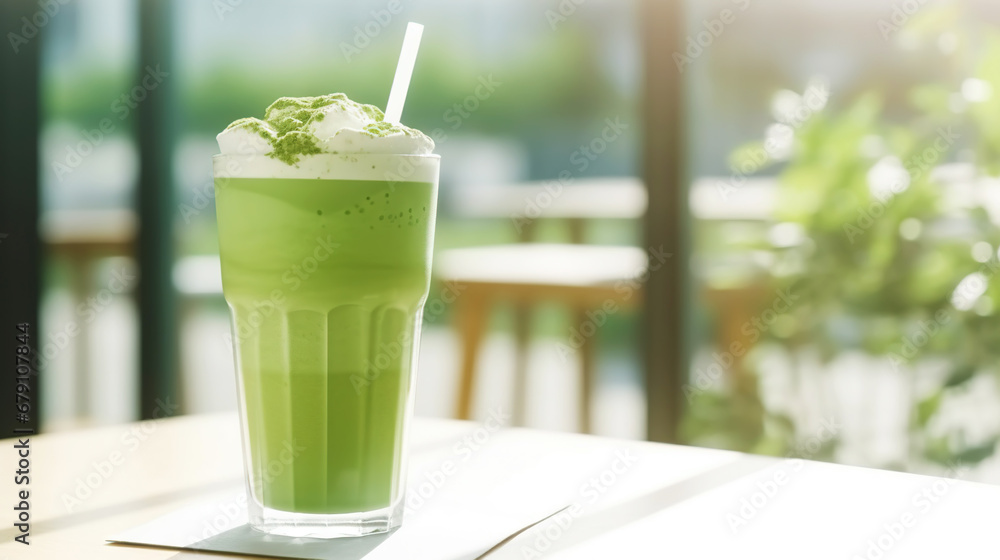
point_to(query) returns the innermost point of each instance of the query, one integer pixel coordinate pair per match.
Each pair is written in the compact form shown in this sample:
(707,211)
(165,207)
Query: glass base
(326,526)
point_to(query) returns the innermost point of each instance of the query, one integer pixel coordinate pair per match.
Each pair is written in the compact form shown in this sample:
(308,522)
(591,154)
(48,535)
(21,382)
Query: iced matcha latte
(326,222)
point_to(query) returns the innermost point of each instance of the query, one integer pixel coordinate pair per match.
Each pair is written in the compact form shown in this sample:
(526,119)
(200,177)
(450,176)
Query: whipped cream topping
(297,127)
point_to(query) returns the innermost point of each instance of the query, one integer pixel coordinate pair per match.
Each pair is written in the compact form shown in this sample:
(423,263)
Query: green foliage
(928,407)
(724,421)
(555,84)
(888,260)
(886,252)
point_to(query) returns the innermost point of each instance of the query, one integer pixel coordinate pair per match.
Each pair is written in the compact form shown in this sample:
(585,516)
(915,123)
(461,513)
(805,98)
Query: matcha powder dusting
(294,127)
(291,124)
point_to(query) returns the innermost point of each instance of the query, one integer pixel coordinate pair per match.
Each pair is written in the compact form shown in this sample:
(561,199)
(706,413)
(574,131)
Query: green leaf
(928,407)
(976,455)
(865,111)
(960,375)
(931,98)
(938,451)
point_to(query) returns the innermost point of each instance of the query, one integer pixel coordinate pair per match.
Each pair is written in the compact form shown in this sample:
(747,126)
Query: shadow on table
(244,540)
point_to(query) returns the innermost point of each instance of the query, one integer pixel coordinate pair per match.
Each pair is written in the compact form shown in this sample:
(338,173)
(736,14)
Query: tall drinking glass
(326,268)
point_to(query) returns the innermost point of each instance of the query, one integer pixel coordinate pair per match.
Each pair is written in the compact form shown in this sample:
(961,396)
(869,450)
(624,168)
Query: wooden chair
(587,278)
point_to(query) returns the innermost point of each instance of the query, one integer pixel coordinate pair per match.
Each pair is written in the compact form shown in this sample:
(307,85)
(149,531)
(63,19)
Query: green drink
(326,267)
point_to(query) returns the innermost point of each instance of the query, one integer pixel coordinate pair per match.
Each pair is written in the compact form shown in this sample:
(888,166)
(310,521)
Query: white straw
(404,70)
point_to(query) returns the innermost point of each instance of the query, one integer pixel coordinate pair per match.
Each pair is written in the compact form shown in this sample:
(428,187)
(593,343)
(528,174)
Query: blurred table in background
(81,237)
(580,276)
(622,198)
(584,276)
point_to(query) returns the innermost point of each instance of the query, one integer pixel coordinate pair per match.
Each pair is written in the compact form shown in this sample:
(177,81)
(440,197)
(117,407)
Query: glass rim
(362,166)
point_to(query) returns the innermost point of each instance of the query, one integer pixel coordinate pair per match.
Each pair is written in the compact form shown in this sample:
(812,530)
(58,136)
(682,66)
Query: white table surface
(664,501)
